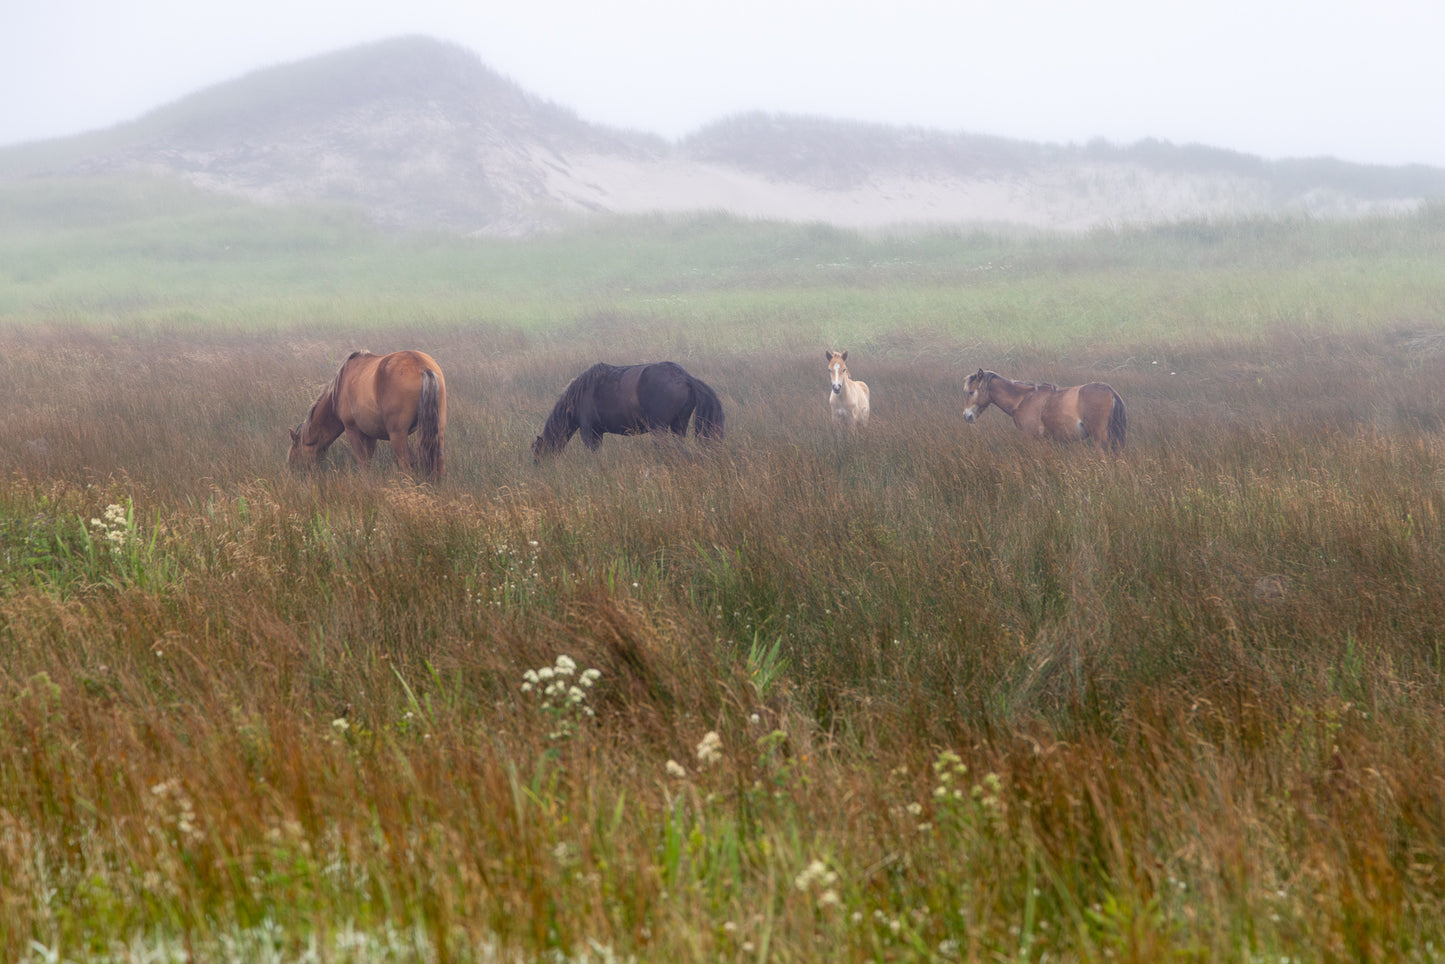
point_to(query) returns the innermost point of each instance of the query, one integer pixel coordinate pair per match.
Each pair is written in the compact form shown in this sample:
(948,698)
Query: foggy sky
(1361,81)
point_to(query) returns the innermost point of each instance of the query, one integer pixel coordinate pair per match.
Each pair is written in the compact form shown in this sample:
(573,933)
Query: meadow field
(932,691)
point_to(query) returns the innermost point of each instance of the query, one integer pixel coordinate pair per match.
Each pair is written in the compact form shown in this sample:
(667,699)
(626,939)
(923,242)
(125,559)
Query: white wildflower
(709,750)
(816,872)
(558,696)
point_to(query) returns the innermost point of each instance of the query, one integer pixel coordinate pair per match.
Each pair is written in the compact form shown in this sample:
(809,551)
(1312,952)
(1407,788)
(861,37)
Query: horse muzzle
(969,415)
(837,389)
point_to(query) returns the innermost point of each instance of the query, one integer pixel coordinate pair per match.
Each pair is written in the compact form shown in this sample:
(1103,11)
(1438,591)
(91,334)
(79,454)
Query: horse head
(975,387)
(301,455)
(837,369)
(546,445)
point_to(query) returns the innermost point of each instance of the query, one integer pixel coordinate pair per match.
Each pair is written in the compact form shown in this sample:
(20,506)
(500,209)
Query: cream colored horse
(847,398)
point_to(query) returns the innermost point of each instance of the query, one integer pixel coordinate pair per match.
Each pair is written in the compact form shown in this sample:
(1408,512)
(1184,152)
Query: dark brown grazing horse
(1093,411)
(379,397)
(630,400)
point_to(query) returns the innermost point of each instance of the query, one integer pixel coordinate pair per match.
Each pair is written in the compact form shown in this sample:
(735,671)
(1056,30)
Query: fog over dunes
(422,134)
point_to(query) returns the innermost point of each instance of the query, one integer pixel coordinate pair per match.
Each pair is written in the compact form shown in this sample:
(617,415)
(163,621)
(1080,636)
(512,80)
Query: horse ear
(844,356)
(980,374)
(295,436)
(828,354)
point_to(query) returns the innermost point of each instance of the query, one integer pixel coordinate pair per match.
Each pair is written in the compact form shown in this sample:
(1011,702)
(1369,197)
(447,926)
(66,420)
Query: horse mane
(988,378)
(565,410)
(336,382)
(332,389)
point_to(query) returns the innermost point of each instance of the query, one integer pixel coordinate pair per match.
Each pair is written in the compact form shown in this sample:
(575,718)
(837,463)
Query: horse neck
(322,423)
(561,424)
(1007,393)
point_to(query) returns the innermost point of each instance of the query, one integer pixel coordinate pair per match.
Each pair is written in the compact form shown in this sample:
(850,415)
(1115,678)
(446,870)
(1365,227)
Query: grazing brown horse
(379,397)
(1093,411)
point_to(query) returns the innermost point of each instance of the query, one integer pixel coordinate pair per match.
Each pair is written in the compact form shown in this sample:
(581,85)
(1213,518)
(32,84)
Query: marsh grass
(973,697)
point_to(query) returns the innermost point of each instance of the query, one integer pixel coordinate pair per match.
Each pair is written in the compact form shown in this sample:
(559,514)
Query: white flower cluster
(948,768)
(172,805)
(709,749)
(562,690)
(555,684)
(114,528)
(817,875)
(950,773)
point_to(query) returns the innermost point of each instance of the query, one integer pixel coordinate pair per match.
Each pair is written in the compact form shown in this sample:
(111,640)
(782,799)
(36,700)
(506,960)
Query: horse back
(608,398)
(658,391)
(373,391)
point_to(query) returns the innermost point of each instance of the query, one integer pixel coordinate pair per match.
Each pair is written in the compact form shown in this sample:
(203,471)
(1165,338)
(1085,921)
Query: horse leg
(361,446)
(1097,431)
(402,449)
(668,440)
(1095,428)
(683,416)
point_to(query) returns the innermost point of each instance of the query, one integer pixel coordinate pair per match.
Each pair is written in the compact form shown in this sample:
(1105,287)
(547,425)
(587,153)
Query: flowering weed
(561,693)
(118,552)
(115,528)
(508,576)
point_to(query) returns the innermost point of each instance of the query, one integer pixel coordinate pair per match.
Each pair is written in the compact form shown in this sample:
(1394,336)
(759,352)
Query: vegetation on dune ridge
(929,692)
(420,133)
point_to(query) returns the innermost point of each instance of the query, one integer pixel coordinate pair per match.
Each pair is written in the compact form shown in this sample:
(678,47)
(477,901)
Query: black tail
(429,420)
(707,416)
(1118,422)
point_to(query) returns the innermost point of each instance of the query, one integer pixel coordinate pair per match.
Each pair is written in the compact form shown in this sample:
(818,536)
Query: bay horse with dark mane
(1093,411)
(377,397)
(630,400)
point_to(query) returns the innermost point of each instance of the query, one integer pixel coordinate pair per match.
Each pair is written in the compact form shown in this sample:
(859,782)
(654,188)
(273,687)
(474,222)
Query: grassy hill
(420,134)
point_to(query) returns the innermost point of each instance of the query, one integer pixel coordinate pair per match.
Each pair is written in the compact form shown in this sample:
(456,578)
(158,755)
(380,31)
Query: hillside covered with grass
(419,134)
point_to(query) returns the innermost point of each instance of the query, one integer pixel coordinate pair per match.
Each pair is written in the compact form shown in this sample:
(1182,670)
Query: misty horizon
(1353,84)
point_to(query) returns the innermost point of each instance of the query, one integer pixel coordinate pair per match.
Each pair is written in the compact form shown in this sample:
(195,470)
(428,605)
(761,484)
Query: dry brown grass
(1190,699)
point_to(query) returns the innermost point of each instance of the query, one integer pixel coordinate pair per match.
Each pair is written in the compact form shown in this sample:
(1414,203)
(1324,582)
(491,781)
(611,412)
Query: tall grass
(973,697)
